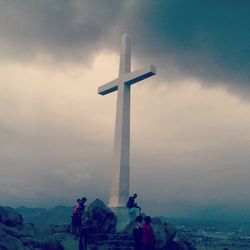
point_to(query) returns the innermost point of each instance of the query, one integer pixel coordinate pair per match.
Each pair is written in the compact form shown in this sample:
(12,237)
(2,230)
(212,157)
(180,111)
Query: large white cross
(120,181)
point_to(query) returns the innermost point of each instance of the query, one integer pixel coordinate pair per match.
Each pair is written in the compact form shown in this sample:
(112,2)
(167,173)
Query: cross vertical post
(120,179)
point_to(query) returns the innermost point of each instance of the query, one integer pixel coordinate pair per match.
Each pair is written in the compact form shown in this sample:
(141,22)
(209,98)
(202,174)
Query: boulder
(67,241)
(11,243)
(60,238)
(9,239)
(99,228)
(170,231)
(103,220)
(10,217)
(160,233)
(55,229)
(20,237)
(180,242)
(30,235)
(52,244)
(166,236)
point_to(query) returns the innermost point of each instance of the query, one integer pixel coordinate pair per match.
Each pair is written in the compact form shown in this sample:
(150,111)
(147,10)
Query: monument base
(123,217)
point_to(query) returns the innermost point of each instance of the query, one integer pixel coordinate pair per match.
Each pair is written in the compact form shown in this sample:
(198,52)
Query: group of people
(144,237)
(143,233)
(80,225)
(77,216)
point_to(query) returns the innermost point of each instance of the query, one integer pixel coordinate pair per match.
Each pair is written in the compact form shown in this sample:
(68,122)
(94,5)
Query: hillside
(42,217)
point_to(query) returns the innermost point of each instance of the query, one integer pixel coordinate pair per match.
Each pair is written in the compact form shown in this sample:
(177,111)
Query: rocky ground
(15,234)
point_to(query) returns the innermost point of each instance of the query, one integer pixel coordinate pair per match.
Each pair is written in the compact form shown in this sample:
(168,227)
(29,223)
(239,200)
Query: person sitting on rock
(138,233)
(134,209)
(76,218)
(148,238)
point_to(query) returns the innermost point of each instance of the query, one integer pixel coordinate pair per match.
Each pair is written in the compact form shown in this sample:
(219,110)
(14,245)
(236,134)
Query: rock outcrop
(166,236)
(101,224)
(24,236)
(10,217)
(102,219)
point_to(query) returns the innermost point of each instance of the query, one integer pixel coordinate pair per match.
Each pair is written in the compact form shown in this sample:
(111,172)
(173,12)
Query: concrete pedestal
(123,217)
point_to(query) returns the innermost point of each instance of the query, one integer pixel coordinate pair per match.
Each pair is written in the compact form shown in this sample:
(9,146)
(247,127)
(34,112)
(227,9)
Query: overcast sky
(190,124)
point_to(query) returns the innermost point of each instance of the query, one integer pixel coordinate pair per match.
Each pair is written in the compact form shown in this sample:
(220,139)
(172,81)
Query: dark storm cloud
(206,39)
(61,28)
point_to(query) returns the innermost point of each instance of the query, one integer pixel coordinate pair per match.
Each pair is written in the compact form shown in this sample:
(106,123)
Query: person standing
(86,230)
(82,208)
(76,218)
(138,233)
(148,239)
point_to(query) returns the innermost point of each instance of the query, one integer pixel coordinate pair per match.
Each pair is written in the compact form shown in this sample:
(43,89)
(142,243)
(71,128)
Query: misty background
(190,124)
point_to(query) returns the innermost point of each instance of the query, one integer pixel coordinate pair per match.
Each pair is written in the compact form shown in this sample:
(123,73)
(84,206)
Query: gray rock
(99,228)
(67,241)
(54,229)
(11,243)
(160,233)
(166,235)
(8,241)
(52,243)
(18,238)
(103,220)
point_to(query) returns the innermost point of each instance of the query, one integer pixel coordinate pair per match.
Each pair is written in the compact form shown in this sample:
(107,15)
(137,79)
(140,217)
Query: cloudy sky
(190,124)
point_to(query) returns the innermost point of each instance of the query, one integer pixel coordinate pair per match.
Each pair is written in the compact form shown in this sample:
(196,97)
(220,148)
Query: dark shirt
(138,234)
(131,202)
(82,207)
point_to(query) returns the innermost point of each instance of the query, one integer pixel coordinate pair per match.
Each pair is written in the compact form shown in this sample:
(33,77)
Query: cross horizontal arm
(108,87)
(130,78)
(140,74)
